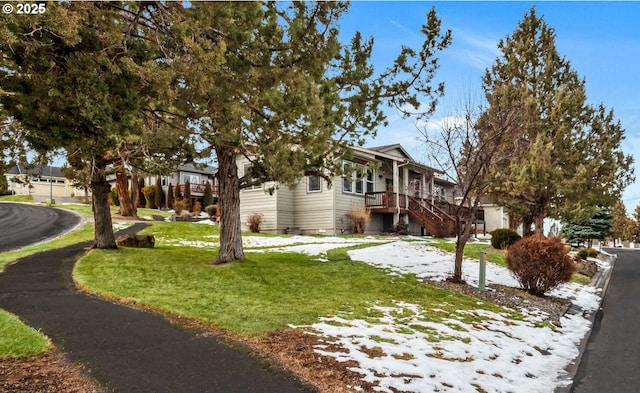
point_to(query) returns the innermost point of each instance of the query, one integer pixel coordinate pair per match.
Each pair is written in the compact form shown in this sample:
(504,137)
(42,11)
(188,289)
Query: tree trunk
(230,227)
(122,184)
(135,193)
(104,237)
(463,232)
(539,224)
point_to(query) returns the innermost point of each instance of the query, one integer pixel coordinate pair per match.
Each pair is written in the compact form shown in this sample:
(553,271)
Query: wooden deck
(436,216)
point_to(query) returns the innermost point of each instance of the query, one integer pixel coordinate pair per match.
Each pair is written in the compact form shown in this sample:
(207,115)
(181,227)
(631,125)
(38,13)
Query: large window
(357,179)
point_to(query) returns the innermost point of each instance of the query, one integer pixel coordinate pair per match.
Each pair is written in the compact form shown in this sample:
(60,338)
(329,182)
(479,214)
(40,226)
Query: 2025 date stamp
(24,8)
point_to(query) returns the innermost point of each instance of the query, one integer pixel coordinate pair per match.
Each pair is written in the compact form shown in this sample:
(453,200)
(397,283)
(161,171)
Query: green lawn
(16,198)
(268,291)
(18,339)
(85,210)
(472,251)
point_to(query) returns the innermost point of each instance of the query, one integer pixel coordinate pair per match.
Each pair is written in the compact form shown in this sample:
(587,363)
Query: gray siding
(314,210)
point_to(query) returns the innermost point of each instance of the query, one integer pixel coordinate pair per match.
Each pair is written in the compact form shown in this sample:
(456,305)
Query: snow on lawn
(310,245)
(404,350)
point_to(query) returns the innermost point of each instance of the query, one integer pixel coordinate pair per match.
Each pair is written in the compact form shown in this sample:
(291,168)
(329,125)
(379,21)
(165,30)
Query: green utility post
(483,272)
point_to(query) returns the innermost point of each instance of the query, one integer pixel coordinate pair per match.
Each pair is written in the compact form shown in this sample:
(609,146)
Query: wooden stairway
(435,220)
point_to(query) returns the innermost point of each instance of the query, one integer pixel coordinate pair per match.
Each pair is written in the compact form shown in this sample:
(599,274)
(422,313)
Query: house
(40,181)
(385,179)
(197,178)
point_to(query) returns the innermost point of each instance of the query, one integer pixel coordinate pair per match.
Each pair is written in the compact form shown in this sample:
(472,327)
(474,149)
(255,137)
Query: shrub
(197,208)
(211,210)
(539,264)
(179,206)
(114,198)
(587,253)
(583,254)
(503,238)
(149,193)
(254,221)
(359,218)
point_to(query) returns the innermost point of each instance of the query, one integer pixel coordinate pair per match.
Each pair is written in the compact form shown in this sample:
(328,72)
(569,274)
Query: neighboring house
(495,217)
(396,187)
(196,177)
(40,180)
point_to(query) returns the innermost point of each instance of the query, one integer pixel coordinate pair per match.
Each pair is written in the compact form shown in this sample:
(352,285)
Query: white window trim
(364,179)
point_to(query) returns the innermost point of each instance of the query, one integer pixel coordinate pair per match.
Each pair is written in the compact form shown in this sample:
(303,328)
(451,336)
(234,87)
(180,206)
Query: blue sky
(600,39)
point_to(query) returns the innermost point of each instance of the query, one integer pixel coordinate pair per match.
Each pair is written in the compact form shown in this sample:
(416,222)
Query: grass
(472,251)
(85,210)
(267,292)
(16,198)
(18,339)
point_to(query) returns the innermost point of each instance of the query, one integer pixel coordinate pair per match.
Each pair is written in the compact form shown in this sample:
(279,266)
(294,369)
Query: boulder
(587,268)
(140,241)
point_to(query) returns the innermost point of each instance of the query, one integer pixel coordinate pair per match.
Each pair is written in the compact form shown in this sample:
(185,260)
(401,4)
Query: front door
(388,185)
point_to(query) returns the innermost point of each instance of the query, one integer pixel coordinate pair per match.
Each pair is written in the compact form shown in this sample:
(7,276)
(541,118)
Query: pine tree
(208,195)
(159,195)
(568,154)
(78,80)
(187,196)
(619,222)
(170,197)
(271,81)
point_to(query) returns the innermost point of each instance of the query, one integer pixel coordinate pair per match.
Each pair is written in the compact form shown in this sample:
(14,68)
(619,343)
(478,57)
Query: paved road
(127,350)
(22,224)
(612,356)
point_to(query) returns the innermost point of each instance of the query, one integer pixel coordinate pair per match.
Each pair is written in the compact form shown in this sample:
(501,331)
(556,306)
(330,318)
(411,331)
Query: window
(246,170)
(370,181)
(356,179)
(347,182)
(314,183)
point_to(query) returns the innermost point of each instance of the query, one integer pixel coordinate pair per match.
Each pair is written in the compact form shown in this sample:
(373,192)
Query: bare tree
(466,146)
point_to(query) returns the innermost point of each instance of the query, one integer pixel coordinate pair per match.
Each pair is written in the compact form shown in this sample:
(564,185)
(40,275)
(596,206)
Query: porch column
(396,189)
(405,188)
(405,184)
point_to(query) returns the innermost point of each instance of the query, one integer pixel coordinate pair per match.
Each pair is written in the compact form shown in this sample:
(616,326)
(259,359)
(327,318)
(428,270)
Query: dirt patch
(295,349)
(50,373)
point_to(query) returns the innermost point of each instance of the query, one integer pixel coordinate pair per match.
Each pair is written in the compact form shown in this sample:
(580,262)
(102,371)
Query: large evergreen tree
(79,77)
(270,81)
(620,222)
(569,159)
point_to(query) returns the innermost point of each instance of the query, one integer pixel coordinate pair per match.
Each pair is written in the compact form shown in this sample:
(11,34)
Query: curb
(601,280)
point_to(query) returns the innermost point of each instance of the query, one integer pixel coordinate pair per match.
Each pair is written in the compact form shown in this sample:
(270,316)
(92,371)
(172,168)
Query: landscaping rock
(139,241)
(587,268)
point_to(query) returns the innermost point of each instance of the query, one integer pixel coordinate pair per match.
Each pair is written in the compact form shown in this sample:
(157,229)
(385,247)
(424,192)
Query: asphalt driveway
(22,224)
(125,349)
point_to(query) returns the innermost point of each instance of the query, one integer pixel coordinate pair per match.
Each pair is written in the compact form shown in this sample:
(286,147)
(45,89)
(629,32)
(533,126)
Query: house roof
(389,148)
(37,170)
(209,170)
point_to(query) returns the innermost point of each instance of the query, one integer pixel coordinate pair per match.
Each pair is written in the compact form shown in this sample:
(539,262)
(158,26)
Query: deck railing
(198,188)
(391,200)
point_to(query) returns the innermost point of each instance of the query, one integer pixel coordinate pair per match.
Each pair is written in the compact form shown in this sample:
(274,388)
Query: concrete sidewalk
(124,349)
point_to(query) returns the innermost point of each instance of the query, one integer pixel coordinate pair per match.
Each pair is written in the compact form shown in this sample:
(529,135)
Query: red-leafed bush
(539,264)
